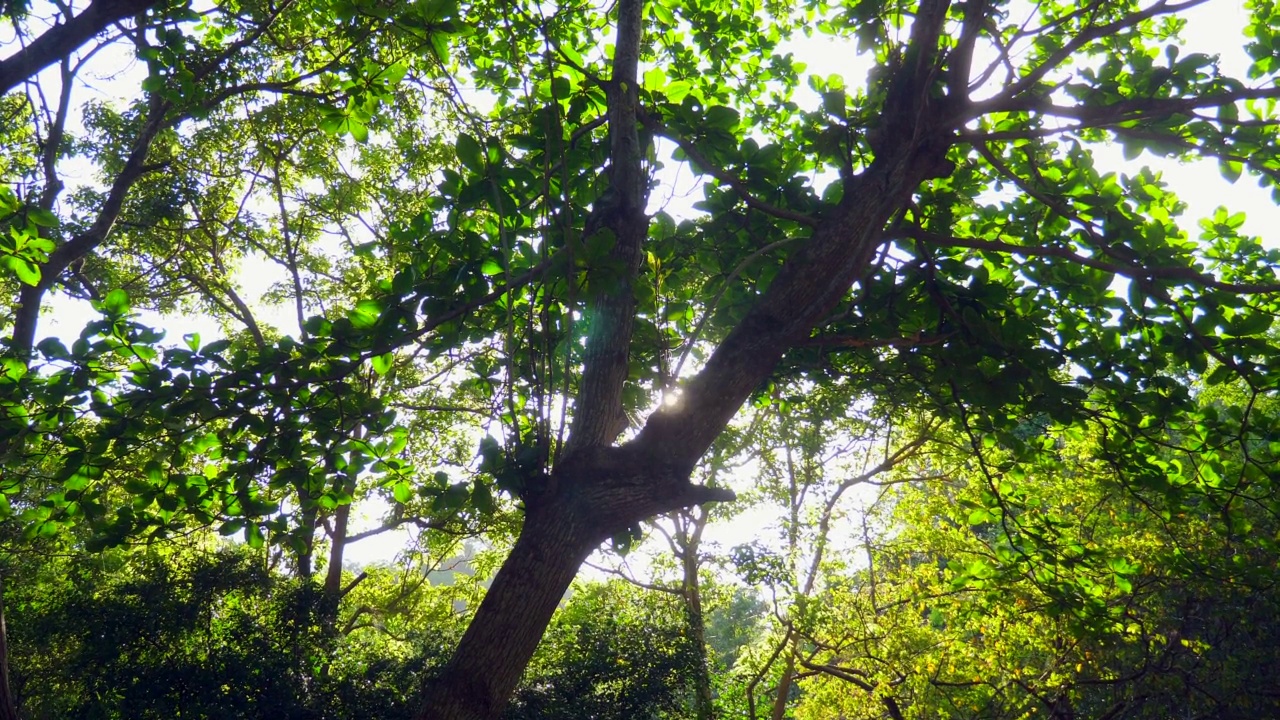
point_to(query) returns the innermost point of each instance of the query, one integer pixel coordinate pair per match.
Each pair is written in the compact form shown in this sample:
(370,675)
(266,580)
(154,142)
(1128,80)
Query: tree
(967,256)
(810,466)
(1067,595)
(613,651)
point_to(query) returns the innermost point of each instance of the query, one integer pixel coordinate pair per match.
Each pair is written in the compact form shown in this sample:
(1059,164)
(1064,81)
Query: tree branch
(1069,50)
(598,416)
(60,41)
(28,312)
(1134,271)
(819,274)
(388,526)
(724,176)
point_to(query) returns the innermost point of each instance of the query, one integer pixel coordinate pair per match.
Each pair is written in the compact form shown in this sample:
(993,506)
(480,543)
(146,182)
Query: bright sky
(1214,28)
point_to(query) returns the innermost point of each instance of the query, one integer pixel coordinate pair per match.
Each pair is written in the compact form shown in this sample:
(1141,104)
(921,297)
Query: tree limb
(1134,271)
(598,416)
(28,312)
(724,176)
(60,41)
(819,274)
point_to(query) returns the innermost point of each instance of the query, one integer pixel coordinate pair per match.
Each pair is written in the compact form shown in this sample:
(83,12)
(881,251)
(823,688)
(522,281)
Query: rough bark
(509,623)
(338,540)
(783,693)
(589,498)
(598,414)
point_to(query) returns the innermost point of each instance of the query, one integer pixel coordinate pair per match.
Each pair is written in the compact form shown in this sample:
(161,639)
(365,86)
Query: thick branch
(960,66)
(389,525)
(28,311)
(1129,110)
(818,275)
(598,414)
(60,41)
(821,272)
(1073,46)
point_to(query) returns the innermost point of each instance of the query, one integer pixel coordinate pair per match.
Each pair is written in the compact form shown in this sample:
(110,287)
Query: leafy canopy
(939,235)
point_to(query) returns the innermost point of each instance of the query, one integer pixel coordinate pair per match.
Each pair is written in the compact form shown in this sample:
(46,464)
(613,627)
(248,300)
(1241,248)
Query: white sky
(1214,28)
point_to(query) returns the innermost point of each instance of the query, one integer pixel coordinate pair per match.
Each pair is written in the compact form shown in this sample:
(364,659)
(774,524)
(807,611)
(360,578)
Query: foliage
(1066,593)
(217,634)
(486,268)
(193,635)
(613,651)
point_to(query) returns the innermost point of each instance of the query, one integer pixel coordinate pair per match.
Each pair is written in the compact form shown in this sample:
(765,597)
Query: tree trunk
(704,705)
(8,708)
(784,686)
(597,490)
(590,497)
(333,573)
(498,643)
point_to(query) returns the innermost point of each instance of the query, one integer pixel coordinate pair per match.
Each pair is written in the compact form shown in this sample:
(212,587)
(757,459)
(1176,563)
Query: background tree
(1065,594)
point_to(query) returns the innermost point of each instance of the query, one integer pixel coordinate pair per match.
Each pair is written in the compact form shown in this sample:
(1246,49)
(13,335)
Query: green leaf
(42,217)
(440,44)
(26,271)
(382,363)
(482,498)
(332,124)
(1230,170)
(1219,375)
(52,347)
(663,13)
(721,116)
(654,79)
(358,130)
(1122,583)
(216,347)
(1253,322)
(253,535)
(399,441)
(13,368)
(365,314)
(116,303)
(402,492)
(469,153)
(677,91)
(980,516)
(395,73)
